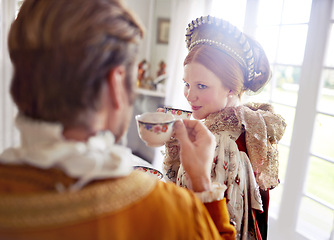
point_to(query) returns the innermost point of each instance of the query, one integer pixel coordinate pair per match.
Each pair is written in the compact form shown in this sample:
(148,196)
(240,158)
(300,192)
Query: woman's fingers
(196,141)
(198,132)
(181,133)
(197,146)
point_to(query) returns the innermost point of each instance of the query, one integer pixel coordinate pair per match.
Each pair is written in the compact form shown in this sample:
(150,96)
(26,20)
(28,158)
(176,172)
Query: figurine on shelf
(159,82)
(162,68)
(142,72)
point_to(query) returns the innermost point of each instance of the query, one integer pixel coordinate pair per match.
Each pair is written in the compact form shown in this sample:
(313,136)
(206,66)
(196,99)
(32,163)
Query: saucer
(150,171)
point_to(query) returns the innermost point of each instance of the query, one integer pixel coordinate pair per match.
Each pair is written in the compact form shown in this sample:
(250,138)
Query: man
(73,86)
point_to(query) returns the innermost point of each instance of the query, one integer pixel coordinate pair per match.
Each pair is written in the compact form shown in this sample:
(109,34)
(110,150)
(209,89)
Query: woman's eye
(186,84)
(201,86)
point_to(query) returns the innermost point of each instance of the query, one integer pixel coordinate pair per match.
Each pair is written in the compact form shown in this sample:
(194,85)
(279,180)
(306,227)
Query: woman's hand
(197,145)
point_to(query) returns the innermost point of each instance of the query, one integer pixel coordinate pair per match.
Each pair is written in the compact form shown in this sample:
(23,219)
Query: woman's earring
(230,94)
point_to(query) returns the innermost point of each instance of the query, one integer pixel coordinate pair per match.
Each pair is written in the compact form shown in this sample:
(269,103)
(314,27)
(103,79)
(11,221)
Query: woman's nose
(190,95)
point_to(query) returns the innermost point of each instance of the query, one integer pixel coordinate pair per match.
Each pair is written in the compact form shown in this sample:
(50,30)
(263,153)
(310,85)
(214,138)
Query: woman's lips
(194,108)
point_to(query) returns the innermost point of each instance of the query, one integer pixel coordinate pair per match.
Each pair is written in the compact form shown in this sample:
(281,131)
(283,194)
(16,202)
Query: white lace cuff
(215,194)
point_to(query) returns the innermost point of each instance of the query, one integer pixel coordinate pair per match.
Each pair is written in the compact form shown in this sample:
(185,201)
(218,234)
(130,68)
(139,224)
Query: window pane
(292,44)
(262,96)
(269,12)
(268,38)
(276,193)
(232,11)
(320,180)
(326,100)
(329,62)
(322,141)
(314,220)
(283,161)
(296,11)
(286,79)
(275,200)
(288,113)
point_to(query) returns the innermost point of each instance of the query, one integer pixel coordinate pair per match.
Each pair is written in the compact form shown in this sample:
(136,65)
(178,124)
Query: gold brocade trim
(26,211)
(263,129)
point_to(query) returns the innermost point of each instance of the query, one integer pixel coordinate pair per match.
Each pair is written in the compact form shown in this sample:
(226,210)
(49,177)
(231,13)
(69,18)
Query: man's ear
(116,78)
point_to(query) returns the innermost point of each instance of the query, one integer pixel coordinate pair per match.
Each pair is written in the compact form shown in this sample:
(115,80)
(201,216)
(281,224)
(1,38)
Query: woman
(221,65)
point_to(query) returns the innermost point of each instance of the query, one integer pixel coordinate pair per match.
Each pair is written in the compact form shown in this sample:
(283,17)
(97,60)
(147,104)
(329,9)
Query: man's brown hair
(62,52)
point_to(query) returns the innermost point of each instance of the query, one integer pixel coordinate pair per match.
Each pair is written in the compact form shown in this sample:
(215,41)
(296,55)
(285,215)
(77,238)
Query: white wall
(143,9)
(149,11)
(159,51)
(8,133)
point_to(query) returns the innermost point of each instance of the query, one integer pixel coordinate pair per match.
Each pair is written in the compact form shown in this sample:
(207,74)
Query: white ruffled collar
(43,146)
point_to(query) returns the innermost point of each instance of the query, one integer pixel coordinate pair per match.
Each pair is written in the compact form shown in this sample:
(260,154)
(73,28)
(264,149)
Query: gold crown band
(246,61)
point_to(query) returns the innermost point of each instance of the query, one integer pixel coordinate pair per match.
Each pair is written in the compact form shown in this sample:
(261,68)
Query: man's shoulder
(29,204)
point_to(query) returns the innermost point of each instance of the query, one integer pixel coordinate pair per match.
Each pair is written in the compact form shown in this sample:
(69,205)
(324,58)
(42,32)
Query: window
(282,31)
(316,214)
(304,96)
(232,11)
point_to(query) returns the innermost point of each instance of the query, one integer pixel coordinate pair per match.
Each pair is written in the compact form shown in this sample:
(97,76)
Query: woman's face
(204,90)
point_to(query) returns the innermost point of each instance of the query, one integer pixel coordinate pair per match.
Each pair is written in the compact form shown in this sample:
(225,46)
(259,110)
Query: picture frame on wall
(163,30)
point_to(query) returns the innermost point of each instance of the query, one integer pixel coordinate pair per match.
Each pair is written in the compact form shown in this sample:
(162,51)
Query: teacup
(155,128)
(178,113)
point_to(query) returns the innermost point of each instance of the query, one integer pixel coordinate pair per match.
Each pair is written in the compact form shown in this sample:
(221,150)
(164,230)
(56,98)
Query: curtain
(183,11)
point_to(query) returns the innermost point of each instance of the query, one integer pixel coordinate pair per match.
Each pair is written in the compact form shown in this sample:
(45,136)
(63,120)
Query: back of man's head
(62,52)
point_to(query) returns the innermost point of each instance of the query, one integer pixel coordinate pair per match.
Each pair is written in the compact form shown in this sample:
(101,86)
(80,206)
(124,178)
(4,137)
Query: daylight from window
(282,29)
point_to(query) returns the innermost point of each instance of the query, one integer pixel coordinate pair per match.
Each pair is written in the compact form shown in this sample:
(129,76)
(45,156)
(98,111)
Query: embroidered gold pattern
(263,130)
(54,209)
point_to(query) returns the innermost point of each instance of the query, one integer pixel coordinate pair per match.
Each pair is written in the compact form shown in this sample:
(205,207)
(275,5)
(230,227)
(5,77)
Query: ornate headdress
(224,36)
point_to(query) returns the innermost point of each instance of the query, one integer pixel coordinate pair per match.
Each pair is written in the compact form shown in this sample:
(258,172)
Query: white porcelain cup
(155,128)
(178,113)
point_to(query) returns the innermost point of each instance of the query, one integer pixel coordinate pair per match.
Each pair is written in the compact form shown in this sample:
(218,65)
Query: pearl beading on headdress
(219,45)
(246,61)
